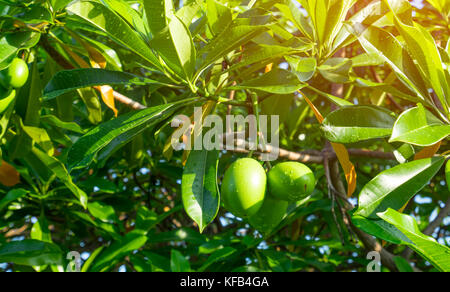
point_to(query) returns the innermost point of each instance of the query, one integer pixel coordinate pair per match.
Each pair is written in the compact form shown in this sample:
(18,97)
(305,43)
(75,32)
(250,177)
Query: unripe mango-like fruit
(244,187)
(16,75)
(270,215)
(291,181)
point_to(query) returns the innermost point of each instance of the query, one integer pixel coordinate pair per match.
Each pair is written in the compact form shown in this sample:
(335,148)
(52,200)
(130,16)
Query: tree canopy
(90,179)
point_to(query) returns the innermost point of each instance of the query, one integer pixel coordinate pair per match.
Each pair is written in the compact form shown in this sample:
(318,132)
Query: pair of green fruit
(248,192)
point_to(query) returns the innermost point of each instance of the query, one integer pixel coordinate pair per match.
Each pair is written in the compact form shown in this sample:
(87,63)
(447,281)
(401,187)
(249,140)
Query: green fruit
(244,187)
(270,215)
(16,75)
(291,181)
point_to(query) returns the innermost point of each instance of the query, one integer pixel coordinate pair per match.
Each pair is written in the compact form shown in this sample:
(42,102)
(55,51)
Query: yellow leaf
(347,166)
(428,152)
(268,68)
(341,153)
(97,61)
(8,175)
(107,94)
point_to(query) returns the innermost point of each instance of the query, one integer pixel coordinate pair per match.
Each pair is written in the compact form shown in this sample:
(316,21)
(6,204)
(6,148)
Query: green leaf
(69,80)
(304,68)
(336,70)
(264,54)
(158,12)
(402,265)
(178,263)
(11,43)
(291,12)
(381,229)
(278,81)
(394,187)
(378,41)
(56,122)
(11,196)
(235,35)
(200,193)
(218,255)
(423,50)
(116,133)
(189,11)
(438,255)
(59,4)
(103,212)
(88,263)
(118,250)
(30,252)
(146,219)
(175,46)
(40,230)
(6,99)
(60,171)
(219,16)
(358,123)
(419,127)
(112,24)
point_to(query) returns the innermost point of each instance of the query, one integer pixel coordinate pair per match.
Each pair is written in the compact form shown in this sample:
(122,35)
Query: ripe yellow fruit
(291,181)
(244,187)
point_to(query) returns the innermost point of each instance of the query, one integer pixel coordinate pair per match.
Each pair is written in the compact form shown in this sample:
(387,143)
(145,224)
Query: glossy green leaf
(437,254)
(60,171)
(158,12)
(11,43)
(219,16)
(291,12)
(189,11)
(92,103)
(109,22)
(419,127)
(218,255)
(30,252)
(116,133)
(69,80)
(59,4)
(336,70)
(117,250)
(264,54)
(378,41)
(380,229)
(7,98)
(11,196)
(304,68)
(200,193)
(175,46)
(423,50)
(358,123)
(54,121)
(40,230)
(235,35)
(394,187)
(103,212)
(277,81)
(402,265)
(178,263)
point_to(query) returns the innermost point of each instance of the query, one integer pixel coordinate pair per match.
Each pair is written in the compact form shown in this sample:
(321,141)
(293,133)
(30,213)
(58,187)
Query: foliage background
(123,210)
